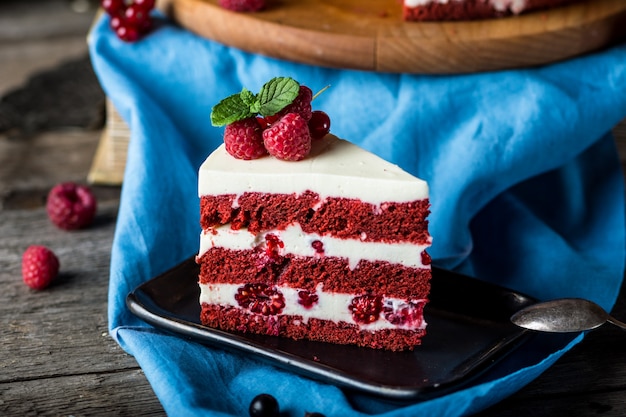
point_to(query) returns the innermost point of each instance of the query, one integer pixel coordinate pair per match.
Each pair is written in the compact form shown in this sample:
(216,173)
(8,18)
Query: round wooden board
(371,35)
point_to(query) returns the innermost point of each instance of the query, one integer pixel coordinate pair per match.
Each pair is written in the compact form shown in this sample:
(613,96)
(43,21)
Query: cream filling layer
(330,306)
(297,242)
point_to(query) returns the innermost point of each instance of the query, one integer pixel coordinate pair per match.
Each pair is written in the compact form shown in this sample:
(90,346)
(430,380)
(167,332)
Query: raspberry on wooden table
(71,206)
(40,267)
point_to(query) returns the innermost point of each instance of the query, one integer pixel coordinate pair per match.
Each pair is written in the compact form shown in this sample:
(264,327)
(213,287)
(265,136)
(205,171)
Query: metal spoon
(563,316)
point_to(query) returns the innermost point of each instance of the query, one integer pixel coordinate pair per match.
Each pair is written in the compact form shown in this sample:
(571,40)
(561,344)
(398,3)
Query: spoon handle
(616,322)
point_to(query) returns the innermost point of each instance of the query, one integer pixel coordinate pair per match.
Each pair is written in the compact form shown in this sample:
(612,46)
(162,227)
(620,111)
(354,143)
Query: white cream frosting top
(334,168)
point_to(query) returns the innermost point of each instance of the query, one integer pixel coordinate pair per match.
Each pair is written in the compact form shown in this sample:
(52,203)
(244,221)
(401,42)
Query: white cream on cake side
(331,306)
(334,168)
(297,242)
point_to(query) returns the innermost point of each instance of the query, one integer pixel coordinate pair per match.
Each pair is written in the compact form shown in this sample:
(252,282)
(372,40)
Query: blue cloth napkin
(526,192)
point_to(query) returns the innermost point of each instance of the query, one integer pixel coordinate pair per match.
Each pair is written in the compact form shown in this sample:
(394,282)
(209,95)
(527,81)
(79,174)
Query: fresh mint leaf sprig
(274,96)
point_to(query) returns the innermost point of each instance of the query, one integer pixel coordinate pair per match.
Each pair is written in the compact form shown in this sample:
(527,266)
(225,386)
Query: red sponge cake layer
(343,218)
(220,265)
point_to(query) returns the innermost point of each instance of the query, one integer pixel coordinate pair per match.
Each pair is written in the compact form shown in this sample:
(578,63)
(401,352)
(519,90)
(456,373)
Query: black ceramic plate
(468,331)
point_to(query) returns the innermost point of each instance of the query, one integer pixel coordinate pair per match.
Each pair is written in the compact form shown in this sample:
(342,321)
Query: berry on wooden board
(71,206)
(40,267)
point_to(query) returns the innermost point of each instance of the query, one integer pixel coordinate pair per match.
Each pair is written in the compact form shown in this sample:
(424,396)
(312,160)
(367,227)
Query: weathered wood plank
(36,35)
(62,330)
(46,159)
(571,404)
(42,19)
(57,356)
(124,393)
(20,59)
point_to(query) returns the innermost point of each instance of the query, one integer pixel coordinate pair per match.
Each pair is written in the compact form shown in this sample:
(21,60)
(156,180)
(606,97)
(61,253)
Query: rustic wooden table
(56,355)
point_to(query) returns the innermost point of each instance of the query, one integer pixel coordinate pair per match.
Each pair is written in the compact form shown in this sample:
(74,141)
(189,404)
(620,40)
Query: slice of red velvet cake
(305,235)
(330,248)
(438,10)
(443,10)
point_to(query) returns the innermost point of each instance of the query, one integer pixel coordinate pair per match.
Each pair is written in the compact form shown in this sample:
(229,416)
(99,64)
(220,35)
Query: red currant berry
(113,7)
(145,26)
(319,125)
(136,15)
(145,4)
(116,22)
(127,33)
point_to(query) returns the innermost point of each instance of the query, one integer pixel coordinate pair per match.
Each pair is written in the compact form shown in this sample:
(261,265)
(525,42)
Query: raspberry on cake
(289,138)
(244,139)
(330,248)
